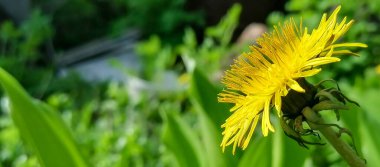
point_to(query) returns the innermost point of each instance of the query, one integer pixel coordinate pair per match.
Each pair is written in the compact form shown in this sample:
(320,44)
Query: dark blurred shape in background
(78,21)
(17,10)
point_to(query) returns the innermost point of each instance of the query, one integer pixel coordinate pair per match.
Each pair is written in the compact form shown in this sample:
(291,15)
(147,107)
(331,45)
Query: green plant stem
(348,154)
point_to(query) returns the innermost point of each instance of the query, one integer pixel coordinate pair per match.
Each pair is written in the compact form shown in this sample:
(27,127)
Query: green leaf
(211,139)
(258,153)
(225,28)
(205,94)
(41,127)
(181,141)
(211,114)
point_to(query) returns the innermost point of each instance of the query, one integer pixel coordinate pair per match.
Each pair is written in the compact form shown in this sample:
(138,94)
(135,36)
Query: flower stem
(348,154)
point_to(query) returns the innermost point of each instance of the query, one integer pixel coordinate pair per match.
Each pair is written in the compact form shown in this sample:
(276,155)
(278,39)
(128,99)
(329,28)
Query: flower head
(258,80)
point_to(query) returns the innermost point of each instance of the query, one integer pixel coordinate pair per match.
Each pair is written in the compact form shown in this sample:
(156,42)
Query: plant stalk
(347,153)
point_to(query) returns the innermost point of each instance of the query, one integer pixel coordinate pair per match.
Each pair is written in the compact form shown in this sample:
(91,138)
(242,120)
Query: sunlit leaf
(41,128)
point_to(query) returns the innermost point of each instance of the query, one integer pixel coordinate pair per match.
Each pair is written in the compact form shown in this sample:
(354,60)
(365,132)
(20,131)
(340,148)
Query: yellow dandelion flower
(258,80)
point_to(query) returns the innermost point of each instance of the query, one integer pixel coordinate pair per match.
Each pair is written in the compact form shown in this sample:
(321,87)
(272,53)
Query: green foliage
(41,127)
(224,30)
(20,50)
(166,18)
(80,21)
(209,119)
(214,48)
(155,56)
(112,128)
(158,56)
(23,43)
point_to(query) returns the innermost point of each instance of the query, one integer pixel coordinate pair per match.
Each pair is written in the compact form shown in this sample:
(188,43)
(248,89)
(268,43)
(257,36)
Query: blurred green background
(161,109)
